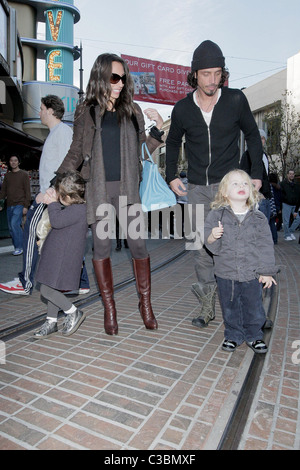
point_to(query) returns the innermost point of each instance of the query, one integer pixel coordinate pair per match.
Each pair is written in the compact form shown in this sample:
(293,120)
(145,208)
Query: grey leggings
(102,248)
(56,301)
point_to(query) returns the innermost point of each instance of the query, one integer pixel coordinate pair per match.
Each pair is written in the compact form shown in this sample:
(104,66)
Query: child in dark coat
(239,237)
(62,252)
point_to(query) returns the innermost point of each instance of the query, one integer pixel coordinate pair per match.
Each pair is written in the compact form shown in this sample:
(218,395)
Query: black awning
(13,141)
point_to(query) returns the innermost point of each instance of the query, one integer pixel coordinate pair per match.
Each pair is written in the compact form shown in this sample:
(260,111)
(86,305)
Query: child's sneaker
(229,345)
(258,346)
(72,322)
(47,329)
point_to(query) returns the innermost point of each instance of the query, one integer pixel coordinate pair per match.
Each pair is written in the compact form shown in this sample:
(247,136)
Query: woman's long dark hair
(99,89)
(192,80)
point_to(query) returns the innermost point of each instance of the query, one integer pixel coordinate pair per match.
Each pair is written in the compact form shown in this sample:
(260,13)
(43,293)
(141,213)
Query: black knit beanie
(207,56)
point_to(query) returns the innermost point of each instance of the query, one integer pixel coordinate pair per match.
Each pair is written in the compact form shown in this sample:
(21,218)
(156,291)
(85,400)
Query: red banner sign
(158,82)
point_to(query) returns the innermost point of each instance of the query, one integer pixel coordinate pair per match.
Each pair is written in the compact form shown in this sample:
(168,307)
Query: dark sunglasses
(115,78)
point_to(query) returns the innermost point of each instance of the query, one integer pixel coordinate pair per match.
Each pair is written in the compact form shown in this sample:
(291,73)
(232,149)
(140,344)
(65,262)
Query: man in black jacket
(211,118)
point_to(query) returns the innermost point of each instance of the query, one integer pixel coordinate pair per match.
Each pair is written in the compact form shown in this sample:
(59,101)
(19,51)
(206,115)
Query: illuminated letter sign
(54,28)
(59,42)
(52,65)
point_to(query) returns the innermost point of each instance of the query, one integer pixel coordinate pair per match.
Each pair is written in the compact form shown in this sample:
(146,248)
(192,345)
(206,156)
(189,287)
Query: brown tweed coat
(86,150)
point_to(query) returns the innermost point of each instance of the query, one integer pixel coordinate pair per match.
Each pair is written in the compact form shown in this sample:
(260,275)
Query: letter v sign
(54,28)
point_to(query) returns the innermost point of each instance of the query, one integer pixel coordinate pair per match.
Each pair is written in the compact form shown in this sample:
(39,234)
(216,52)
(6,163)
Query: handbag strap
(144,146)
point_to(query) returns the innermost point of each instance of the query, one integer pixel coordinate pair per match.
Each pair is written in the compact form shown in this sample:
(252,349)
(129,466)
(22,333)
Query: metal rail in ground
(8,333)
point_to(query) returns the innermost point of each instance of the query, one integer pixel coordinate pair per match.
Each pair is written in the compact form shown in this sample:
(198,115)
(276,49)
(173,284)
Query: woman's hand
(50,196)
(154,115)
(39,198)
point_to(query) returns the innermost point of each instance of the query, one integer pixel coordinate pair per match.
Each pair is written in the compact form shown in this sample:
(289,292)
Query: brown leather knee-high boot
(143,282)
(103,272)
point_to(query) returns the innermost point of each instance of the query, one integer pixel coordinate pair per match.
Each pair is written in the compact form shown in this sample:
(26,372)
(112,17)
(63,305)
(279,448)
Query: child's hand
(267,281)
(217,232)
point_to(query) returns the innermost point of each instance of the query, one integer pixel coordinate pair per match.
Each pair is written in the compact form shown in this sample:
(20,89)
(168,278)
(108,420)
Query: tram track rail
(27,325)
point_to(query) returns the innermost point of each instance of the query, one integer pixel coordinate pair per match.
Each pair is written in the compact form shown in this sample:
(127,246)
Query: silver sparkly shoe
(72,322)
(47,329)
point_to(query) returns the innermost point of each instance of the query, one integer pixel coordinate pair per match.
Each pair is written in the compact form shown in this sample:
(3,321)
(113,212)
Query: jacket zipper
(209,155)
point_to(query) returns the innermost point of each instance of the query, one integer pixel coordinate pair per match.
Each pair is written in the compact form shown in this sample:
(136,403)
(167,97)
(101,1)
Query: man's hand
(257,184)
(178,187)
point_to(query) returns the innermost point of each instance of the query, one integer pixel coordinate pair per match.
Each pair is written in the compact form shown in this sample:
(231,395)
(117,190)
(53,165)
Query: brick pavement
(170,389)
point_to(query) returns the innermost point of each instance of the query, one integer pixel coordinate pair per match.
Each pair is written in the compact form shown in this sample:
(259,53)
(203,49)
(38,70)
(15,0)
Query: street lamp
(78,50)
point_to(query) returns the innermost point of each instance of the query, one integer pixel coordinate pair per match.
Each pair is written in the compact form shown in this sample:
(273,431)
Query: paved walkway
(172,389)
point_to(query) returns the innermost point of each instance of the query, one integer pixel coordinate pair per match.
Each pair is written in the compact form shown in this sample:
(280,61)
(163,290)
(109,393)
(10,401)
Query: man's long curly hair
(192,79)
(99,88)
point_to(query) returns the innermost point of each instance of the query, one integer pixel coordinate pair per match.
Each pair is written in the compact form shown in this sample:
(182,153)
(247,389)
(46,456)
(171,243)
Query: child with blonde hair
(239,237)
(62,231)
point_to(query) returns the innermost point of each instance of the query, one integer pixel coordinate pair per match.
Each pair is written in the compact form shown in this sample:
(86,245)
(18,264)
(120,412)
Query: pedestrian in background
(290,193)
(275,219)
(16,190)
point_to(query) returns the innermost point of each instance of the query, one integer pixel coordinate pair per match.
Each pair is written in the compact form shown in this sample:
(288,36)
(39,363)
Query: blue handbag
(154,192)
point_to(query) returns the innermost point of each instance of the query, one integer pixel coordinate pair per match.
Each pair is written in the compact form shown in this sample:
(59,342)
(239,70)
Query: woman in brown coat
(108,134)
